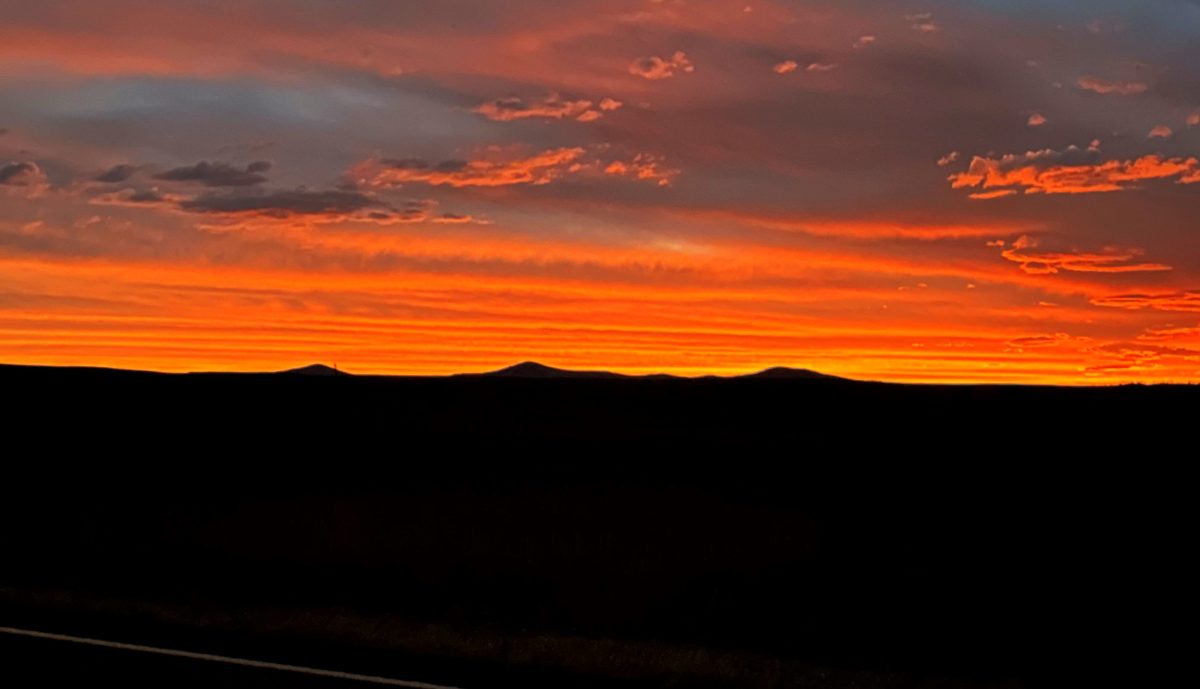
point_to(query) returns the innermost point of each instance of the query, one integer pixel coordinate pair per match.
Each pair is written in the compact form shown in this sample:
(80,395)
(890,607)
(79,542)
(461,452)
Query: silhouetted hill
(319,370)
(532,369)
(785,373)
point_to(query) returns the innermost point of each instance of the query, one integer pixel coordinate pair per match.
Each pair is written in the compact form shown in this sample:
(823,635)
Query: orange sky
(953,191)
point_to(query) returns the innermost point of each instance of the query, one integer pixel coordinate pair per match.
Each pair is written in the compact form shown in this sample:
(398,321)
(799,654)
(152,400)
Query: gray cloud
(116,173)
(22,174)
(284,203)
(218,174)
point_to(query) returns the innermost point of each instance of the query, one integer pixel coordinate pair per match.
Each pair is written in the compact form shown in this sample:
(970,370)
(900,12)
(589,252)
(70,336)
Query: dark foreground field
(492,531)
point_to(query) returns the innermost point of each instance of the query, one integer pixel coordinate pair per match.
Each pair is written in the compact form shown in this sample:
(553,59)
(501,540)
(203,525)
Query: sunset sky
(954,191)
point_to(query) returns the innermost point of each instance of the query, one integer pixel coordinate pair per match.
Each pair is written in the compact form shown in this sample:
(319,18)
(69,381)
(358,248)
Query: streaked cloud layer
(938,191)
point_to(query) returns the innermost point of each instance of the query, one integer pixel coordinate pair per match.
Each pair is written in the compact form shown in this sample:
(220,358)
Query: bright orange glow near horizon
(632,185)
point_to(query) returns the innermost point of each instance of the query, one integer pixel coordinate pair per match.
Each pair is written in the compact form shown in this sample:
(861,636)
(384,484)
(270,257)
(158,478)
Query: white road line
(244,662)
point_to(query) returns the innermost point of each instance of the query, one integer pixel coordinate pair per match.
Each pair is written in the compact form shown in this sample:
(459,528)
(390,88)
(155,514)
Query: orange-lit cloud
(655,68)
(1024,252)
(1104,86)
(1036,120)
(820,67)
(1040,341)
(495,170)
(785,67)
(1170,333)
(552,106)
(1188,301)
(643,167)
(1070,171)
(1161,131)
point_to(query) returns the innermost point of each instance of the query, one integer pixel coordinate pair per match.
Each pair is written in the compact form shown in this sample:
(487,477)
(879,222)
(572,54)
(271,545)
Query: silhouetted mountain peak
(532,369)
(785,373)
(315,370)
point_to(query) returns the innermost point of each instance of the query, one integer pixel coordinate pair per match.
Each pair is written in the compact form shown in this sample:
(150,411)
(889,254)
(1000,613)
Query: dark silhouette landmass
(542,528)
(315,370)
(532,369)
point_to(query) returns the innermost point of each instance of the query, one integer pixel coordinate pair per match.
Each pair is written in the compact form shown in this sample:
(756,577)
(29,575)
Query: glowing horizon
(932,192)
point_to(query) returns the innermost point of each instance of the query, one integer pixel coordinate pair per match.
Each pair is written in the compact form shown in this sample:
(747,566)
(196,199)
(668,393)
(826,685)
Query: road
(31,658)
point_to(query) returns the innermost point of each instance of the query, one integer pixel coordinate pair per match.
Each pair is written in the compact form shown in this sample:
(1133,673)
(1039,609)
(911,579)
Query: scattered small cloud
(1161,131)
(643,167)
(1036,120)
(821,67)
(922,22)
(1103,86)
(785,67)
(552,106)
(1193,120)
(948,159)
(655,68)
(863,41)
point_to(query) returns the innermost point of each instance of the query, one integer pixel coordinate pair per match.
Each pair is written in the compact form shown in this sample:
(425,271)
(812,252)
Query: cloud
(218,174)
(1041,341)
(643,167)
(116,174)
(454,219)
(820,67)
(552,106)
(1161,131)
(1112,260)
(1036,120)
(1187,301)
(655,68)
(1138,353)
(988,195)
(134,198)
(283,204)
(863,41)
(1121,88)
(1069,171)
(492,171)
(948,159)
(24,174)
(922,22)
(785,67)
(1170,333)
(1193,120)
